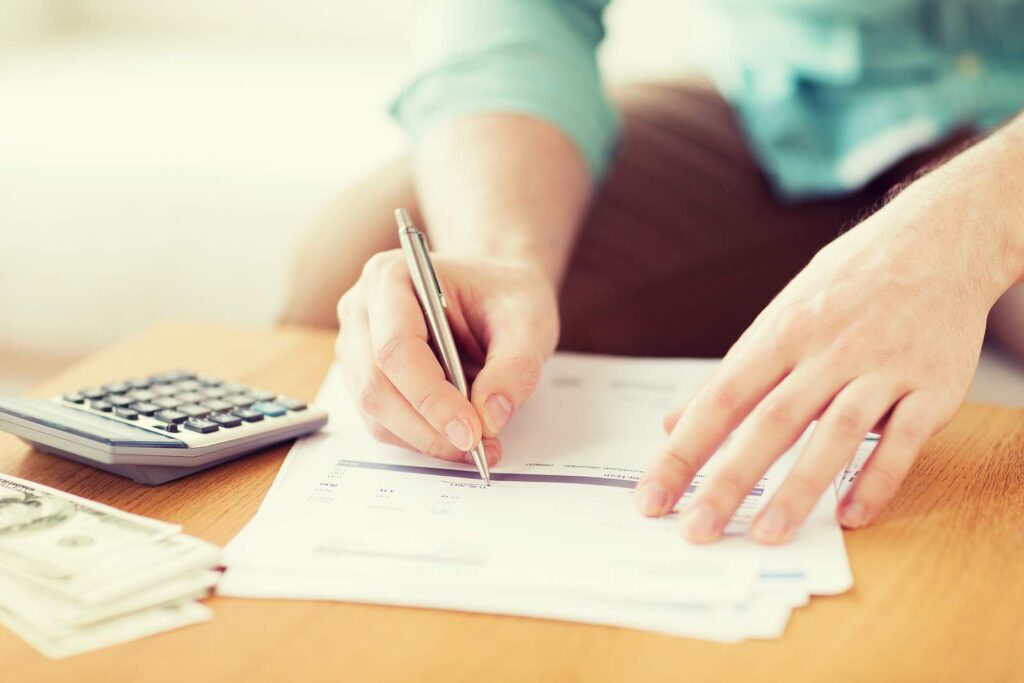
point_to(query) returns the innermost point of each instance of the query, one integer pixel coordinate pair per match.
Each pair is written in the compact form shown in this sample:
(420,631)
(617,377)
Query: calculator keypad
(172,401)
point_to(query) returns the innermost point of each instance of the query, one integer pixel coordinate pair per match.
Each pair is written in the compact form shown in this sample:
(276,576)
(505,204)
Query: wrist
(973,204)
(509,246)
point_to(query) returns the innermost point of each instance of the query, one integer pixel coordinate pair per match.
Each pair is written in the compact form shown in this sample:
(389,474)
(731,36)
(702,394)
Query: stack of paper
(554,536)
(76,575)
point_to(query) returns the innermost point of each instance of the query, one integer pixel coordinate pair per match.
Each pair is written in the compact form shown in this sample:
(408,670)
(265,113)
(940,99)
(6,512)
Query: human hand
(504,318)
(882,330)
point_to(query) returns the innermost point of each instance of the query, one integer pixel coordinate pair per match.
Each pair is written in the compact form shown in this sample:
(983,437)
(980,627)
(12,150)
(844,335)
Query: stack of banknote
(76,575)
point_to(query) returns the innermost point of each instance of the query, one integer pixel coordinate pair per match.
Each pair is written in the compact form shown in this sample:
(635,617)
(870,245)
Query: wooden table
(939,591)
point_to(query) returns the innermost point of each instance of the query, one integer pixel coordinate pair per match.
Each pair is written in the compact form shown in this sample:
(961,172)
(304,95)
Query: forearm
(979,194)
(502,186)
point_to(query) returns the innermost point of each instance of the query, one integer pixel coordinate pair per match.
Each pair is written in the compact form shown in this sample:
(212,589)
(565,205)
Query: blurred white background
(161,158)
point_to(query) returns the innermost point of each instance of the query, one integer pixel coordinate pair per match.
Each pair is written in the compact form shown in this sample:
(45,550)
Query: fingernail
(700,523)
(772,526)
(853,515)
(497,409)
(651,499)
(459,433)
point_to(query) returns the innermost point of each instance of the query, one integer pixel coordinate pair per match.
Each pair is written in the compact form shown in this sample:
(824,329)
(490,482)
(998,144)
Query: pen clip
(430,266)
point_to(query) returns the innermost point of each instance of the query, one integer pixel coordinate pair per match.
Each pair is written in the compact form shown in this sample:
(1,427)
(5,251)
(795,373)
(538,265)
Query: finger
(384,409)
(770,430)
(398,336)
(912,423)
(672,419)
(836,438)
(510,373)
(709,417)
(492,449)
(381,433)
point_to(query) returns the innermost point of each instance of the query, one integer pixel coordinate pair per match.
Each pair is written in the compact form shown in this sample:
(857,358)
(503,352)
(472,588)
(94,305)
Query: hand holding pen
(502,315)
(431,298)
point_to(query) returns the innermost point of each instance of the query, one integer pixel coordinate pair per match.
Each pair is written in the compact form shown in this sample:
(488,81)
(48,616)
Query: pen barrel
(431,300)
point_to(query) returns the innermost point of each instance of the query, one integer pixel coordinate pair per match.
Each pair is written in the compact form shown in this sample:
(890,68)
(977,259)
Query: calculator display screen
(57,417)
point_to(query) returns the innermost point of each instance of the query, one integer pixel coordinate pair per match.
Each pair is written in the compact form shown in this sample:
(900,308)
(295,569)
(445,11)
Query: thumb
(509,376)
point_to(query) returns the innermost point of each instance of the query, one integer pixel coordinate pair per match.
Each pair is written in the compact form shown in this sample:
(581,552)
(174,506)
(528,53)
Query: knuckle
(680,460)
(526,368)
(778,412)
(848,421)
(886,481)
(384,264)
(793,320)
(347,305)
(368,396)
(730,482)
(803,488)
(430,403)
(388,352)
(439,447)
(913,430)
(381,433)
(720,396)
(376,265)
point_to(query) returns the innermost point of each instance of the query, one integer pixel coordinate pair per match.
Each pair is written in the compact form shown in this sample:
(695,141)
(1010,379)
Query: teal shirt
(829,92)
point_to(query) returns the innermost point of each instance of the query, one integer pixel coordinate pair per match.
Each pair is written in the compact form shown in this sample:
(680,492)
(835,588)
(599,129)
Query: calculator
(159,428)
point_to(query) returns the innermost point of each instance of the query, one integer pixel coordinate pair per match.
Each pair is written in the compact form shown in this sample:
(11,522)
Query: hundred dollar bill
(56,534)
(55,615)
(110,632)
(125,572)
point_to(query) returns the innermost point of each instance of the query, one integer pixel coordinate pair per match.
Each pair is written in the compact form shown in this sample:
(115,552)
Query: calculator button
(188,385)
(214,392)
(169,427)
(144,408)
(93,393)
(167,402)
(269,409)
(126,413)
(263,395)
(172,416)
(217,406)
(101,406)
(195,411)
(142,395)
(235,388)
(190,397)
(291,403)
(241,400)
(74,397)
(118,388)
(199,425)
(210,381)
(139,383)
(173,376)
(247,415)
(119,400)
(228,421)
(164,390)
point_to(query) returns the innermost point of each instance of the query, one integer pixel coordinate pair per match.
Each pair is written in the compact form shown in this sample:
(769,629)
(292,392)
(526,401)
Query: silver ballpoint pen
(428,291)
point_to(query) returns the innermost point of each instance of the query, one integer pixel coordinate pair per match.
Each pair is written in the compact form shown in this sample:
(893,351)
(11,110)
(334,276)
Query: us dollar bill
(102,634)
(55,615)
(125,572)
(57,535)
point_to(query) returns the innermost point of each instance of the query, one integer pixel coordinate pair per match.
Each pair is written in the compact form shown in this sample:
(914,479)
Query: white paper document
(554,536)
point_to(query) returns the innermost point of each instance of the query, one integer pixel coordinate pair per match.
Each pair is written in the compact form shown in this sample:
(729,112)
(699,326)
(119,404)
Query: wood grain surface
(938,595)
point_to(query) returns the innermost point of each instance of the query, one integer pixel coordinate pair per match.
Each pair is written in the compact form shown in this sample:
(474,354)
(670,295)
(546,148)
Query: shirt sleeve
(532,57)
